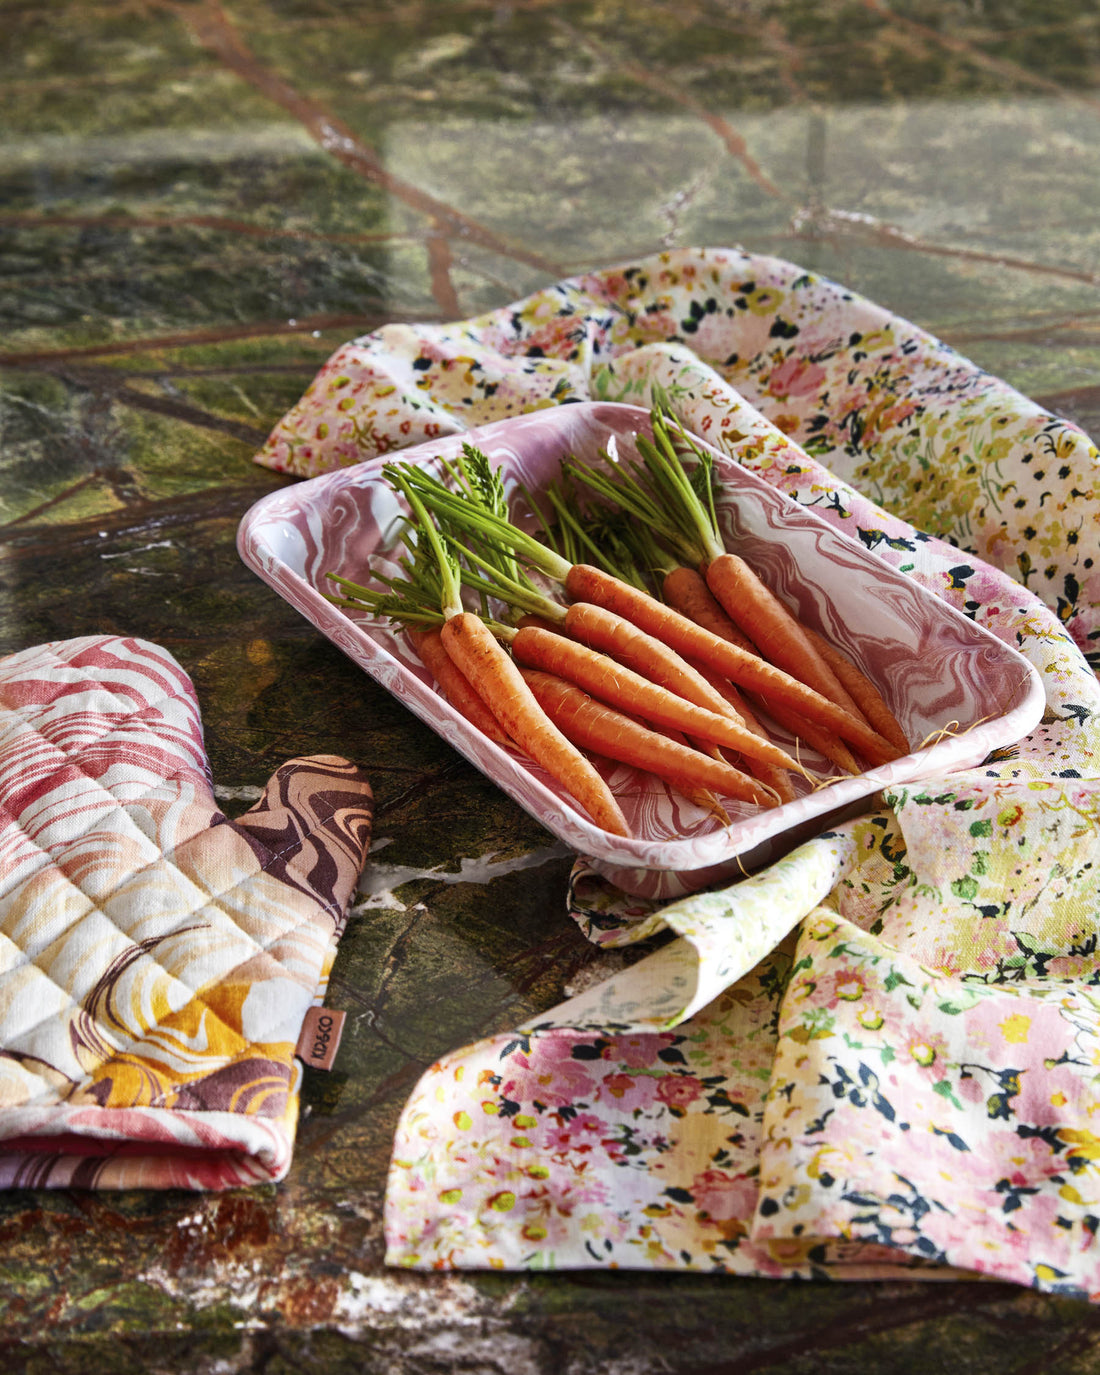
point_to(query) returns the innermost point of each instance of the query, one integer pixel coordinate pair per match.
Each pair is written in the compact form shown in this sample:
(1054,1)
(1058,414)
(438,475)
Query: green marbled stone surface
(198,202)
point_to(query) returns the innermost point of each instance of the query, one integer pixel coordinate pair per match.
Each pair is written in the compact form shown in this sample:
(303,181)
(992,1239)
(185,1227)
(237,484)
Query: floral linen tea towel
(880,1056)
(156,959)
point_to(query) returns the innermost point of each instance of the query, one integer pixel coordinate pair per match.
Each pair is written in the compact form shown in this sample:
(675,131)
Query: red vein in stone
(304,366)
(769,32)
(1075,397)
(1010,71)
(1076,1345)
(439,253)
(830,224)
(410,14)
(87,80)
(188,414)
(212,28)
(645,76)
(1040,332)
(220,223)
(58,500)
(143,516)
(793,60)
(196,338)
(439,267)
(115,387)
(856,1327)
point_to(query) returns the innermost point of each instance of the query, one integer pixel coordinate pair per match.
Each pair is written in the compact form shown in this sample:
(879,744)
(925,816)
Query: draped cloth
(878,1056)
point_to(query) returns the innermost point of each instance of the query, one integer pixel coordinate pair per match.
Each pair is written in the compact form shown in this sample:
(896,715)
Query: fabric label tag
(320,1038)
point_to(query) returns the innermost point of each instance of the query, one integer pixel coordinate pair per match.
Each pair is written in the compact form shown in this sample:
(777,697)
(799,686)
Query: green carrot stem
(520,594)
(536,510)
(706,465)
(569,522)
(400,592)
(648,552)
(618,486)
(631,488)
(684,504)
(700,481)
(516,597)
(494,529)
(701,508)
(450,588)
(404,616)
(483,486)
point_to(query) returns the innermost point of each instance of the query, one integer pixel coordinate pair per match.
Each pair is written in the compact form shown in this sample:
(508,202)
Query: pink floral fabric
(950,1119)
(878,1056)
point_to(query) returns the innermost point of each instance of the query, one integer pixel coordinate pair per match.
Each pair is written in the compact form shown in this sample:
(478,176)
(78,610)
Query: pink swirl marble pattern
(958,691)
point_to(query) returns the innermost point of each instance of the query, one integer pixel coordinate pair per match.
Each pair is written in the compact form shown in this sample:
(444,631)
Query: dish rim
(556,811)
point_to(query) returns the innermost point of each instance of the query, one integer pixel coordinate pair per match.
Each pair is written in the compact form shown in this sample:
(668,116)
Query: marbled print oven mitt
(156,958)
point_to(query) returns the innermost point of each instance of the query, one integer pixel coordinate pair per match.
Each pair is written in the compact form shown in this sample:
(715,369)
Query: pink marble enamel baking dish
(949,682)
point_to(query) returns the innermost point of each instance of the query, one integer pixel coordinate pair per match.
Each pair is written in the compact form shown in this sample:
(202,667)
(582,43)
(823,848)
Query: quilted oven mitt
(156,958)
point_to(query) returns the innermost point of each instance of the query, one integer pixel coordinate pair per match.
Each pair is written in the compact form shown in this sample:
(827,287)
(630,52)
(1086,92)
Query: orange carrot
(728,588)
(593,725)
(865,694)
(777,779)
(819,738)
(475,650)
(749,671)
(709,802)
(702,797)
(686,591)
(601,629)
(476,653)
(626,690)
(772,627)
(454,684)
(591,625)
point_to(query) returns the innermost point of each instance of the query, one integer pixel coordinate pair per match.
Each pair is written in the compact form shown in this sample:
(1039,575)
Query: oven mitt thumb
(157,959)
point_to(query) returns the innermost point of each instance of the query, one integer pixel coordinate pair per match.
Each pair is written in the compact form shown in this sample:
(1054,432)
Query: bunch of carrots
(652,652)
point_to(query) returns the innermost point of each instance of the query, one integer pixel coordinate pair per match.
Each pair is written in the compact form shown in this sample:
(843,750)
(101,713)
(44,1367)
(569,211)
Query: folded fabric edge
(195,1151)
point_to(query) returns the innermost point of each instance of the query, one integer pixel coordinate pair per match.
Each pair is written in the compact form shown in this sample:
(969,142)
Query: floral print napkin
(881,1055)
(157,960)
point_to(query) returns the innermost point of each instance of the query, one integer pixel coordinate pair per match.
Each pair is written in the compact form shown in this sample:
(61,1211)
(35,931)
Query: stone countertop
(199,202)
